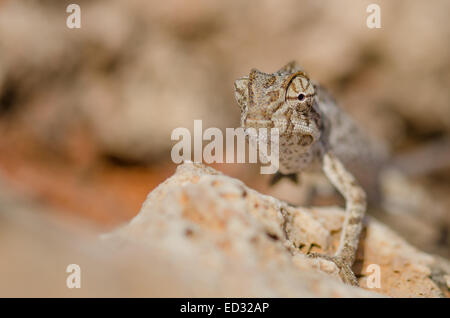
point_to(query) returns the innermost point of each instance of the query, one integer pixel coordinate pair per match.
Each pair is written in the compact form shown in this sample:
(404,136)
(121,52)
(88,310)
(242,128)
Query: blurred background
(86,114)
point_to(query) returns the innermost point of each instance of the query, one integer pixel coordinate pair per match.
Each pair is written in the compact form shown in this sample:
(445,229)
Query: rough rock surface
(230,240)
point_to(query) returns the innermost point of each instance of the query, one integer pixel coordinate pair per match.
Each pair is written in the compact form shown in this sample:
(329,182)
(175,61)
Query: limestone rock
(240,242)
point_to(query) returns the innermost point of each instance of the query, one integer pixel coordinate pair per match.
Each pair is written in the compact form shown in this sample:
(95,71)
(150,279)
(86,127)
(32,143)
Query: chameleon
(314,133)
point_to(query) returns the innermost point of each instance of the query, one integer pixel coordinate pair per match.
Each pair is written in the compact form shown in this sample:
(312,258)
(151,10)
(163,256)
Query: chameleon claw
(345,270)
(279,176)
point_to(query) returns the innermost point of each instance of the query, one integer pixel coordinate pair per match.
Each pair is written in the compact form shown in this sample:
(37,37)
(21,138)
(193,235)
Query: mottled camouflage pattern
(314,132)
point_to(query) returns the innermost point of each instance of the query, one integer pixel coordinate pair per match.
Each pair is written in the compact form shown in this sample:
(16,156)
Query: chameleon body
(314,133)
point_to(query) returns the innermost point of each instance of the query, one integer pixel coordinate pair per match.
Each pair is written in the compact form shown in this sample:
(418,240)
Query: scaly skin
(314,131)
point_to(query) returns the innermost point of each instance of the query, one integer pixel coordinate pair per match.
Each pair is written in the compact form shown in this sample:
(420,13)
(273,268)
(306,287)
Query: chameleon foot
(345,270)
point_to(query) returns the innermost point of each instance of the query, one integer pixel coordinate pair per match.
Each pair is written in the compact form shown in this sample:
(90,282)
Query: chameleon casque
(314,132)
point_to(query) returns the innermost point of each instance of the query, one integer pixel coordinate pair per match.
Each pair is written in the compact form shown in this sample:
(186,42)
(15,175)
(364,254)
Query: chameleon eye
(301,97)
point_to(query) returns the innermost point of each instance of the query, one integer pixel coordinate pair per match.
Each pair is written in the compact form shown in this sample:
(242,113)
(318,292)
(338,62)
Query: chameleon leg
(355,198)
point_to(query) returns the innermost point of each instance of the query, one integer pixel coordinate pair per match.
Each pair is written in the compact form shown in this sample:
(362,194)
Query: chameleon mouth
(303,108)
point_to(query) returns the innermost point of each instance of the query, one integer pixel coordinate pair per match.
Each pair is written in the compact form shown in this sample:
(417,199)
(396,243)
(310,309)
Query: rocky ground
(86,114)
(86,117)
(201,233)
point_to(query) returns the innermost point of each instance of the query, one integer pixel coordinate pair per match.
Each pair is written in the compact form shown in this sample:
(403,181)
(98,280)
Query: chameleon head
(285,100)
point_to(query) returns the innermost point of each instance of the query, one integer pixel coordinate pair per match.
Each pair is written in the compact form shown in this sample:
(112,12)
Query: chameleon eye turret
(300,93)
